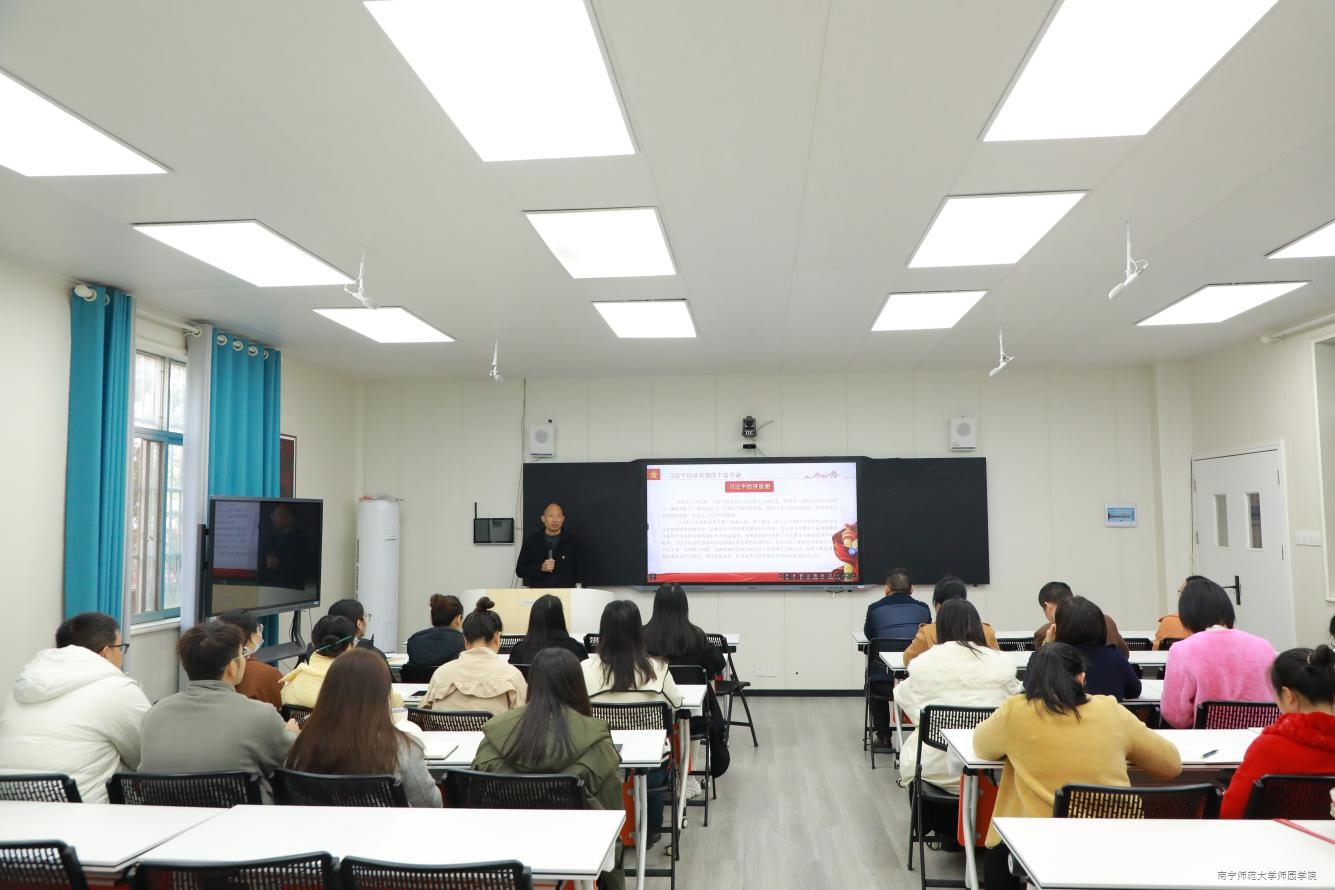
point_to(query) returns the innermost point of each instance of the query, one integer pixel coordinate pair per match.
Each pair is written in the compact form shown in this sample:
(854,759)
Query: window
(156,531)
(1254,519)
(1221,520)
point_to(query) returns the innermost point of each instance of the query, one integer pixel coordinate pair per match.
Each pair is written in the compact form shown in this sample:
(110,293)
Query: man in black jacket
(550,557)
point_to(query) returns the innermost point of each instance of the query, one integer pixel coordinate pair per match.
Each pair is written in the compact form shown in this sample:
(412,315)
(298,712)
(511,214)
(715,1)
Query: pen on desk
(456,748)
(1209,753)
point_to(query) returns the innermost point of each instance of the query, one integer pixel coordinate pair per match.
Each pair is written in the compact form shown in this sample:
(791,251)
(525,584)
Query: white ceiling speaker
(963,433)
(542,439)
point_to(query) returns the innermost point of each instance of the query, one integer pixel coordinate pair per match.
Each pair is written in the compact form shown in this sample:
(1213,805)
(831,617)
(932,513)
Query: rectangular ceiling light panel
(247,249)
(624,243)
(925,311)
(39,138)
(387,324)
(1219,302)
(648,319)
(1116,67)
(990,230)
(521,79)
(1320,243)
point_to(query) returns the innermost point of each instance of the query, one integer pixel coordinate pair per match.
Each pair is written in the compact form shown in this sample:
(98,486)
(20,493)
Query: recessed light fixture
(388,324)
(247,249)
(990,230)
(521,79)
(1219,302)
(623,243)
(925,311)
(1116,67)
(1314,244)
(40,138)
(648,319)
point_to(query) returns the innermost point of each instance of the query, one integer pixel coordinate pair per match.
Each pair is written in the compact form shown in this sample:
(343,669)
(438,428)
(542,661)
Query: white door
(1241,536)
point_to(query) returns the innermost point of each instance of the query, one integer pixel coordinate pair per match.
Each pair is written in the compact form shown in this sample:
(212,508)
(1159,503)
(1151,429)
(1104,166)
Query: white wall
(1060,444)
(34,363)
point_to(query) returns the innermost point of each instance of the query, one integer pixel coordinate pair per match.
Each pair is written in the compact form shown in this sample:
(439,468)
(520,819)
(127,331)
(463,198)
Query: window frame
(167,438)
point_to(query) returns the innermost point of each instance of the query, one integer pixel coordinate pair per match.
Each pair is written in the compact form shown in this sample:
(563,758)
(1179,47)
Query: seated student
(895,616)
(555,732)
(546,627)
(960,670)
(1302,740)
(208,727)
(73,711)
(350,731)
(477,680)
(1216,662)
(331,637)
(948,588)
(1056,735)
(1170,625)
(443,640)
(1050,596)
(622,671)
(357,614)
(262,682)
(1080,623)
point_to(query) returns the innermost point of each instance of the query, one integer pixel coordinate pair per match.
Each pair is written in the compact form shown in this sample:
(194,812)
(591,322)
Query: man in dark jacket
(550,557)
(895,616)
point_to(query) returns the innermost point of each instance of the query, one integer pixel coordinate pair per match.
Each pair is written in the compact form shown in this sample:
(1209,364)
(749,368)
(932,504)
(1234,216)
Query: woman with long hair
(433,646)
(622,671)
(1080,623)
(1054,735)
(478,680)
(546,627)
(332,636)
(350,731)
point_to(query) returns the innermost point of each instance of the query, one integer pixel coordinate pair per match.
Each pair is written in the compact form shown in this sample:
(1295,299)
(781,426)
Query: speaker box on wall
(963,433)
(541,440)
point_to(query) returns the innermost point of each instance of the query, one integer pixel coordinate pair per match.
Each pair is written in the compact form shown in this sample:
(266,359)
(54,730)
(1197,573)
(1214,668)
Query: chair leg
(750,721)
(913,826)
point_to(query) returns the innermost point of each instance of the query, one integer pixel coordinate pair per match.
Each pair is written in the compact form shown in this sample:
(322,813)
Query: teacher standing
(549,558)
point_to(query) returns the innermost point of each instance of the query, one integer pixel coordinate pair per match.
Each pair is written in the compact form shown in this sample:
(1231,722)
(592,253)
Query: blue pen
(1208,753)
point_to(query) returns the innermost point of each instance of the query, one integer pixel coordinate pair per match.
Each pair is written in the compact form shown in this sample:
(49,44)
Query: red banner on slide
(751,485)
(836,577)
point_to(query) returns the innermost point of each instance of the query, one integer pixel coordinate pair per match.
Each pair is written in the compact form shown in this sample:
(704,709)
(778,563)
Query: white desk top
(106,838)
(693,698)
(895,660)
(1228,746)
(1323,827)
(640,748)
(1150,691)
(1029,634)
(578,851)
(1061,854)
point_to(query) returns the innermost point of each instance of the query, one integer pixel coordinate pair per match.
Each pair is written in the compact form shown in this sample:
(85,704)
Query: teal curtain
(101,350)
(244,414)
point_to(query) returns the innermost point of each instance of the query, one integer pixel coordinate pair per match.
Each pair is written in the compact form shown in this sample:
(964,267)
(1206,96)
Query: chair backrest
(1015,644)
(1167,643)
(494,791)
(1290,797)
(1138,644)
(523,669)
(934,719)
(310,871)
(217,789)
(1103,802)
(591,643)
(42,865)
(314,790)
(1146,712)
(636,715)
(449,721)
(44,787)
(718,640)
(298,713)
(508,642)
(877,645)
(1235,714)
(368,874)
(688,675)
(416,673)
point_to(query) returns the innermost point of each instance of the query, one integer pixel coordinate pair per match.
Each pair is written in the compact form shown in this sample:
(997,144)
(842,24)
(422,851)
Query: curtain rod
(1298,329)
(186,328)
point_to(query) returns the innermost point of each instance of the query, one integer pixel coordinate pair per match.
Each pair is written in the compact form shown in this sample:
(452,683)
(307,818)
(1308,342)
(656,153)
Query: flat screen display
(752,522)
(263,555)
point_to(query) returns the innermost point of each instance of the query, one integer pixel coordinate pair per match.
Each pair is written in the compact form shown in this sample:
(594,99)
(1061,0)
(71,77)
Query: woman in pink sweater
(1216,662)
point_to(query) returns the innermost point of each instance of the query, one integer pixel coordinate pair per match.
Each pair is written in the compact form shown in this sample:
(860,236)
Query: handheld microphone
(551,554)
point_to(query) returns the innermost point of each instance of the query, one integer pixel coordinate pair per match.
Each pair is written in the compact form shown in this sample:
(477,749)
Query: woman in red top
(1302,740)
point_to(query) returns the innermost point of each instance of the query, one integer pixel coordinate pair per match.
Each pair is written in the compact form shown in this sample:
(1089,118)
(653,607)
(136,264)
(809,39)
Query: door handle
(1236,587)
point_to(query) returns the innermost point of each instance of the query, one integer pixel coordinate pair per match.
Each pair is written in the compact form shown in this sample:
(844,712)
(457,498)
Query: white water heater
(377,570)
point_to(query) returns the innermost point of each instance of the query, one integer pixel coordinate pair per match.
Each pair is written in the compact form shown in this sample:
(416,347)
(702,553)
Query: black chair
(1167,643)
(1146,712)
(591,643)
(449,721)
(368,874)
(508,642)
(299,713)
(523,669)
(416,673)
(1015,644)
(1235,714)
(43,865)
(876,672)
(473,790)
(1108,802)
(310,871)
(1139,644)
(933,720)
(314,790)
(47,787)
(1290,797)
(216,789)
(733,688)
(694,675)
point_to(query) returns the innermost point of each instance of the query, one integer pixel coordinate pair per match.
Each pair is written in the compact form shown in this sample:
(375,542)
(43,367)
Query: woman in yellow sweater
(1053,735)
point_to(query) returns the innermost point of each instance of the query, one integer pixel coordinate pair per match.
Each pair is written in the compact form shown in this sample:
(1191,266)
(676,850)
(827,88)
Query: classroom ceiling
(797,150)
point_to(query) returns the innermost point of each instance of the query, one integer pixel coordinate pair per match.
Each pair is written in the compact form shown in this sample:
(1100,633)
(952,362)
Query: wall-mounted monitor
(493,531)
(263,555)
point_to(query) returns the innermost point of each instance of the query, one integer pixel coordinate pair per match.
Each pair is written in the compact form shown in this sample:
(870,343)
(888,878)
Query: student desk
(573,845)
(895,660)
(107,839)
(1185,854)
(1193,746)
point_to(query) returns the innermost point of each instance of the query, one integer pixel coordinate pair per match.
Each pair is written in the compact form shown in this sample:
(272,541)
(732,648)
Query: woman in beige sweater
(1053,735)
(477,680)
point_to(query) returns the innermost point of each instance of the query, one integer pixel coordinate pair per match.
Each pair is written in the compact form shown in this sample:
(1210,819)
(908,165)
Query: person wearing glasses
(357,614)
(208,727)
(262,682)
(72,710)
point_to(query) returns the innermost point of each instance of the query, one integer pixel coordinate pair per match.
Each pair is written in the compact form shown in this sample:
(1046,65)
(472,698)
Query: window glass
(1221,520)
(156,488)
(176,398)
(1254,519)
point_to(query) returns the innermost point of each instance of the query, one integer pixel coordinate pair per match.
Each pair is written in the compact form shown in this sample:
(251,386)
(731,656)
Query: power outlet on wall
(763,670)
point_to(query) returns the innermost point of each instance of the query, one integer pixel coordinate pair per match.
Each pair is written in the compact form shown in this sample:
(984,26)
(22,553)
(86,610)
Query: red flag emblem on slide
(655,473)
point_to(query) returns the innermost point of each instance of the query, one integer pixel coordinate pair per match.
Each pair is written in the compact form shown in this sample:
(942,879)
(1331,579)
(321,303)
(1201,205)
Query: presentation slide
(742,523)
(236,539)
